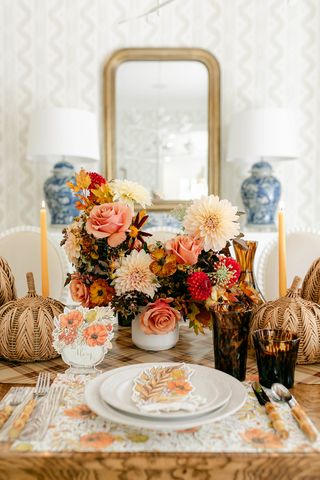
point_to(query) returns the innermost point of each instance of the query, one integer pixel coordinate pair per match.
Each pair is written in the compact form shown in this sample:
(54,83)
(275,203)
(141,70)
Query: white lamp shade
(267,132)
(63,132)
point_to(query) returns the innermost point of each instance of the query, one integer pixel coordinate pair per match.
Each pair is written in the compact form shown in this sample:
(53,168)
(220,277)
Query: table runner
(189,349)
(77,429)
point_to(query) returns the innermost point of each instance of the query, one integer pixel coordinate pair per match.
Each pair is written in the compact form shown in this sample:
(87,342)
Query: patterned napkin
(165,389)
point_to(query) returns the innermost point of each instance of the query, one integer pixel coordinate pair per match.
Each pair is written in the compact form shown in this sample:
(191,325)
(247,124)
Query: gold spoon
(281,393)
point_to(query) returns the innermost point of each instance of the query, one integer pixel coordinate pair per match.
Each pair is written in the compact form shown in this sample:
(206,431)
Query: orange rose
(71,320)
(79,292)
(95,335)
(159,318)
(111,221)
(185,248)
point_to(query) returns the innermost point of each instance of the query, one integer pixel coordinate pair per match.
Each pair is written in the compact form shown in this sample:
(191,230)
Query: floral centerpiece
(189,277)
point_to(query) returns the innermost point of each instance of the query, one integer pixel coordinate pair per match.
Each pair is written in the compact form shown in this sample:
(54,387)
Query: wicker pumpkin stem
(31,285)
(293,290)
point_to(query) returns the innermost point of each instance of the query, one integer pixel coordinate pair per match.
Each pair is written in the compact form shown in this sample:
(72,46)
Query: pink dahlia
(199,286)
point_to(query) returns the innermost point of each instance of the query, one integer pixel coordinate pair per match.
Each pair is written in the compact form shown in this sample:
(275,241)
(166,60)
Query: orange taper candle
(44,251)
(282,253)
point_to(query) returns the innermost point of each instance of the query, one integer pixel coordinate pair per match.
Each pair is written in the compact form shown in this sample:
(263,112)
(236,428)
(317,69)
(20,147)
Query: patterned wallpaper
(53,51)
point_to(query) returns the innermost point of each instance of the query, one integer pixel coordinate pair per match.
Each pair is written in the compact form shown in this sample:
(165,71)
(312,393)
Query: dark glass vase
(125,320)
(230,341)
(245,258)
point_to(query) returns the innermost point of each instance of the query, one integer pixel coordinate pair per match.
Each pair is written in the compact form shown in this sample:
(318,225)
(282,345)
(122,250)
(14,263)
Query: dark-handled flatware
(271,410)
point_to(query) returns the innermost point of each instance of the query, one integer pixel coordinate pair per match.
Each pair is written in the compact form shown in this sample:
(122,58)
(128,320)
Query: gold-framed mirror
(162,122)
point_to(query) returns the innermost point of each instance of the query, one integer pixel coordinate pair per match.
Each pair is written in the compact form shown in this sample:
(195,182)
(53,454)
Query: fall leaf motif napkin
(165,389)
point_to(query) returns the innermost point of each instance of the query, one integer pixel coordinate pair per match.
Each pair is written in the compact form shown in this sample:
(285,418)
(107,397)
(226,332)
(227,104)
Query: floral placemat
(77,429)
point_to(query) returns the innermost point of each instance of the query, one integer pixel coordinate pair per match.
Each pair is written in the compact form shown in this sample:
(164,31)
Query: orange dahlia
(163,264)
(100,293)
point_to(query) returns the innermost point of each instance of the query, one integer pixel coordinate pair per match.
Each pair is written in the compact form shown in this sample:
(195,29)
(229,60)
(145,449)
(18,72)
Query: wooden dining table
(15,465)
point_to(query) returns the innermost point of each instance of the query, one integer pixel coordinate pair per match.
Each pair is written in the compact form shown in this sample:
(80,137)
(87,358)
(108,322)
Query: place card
(166,389)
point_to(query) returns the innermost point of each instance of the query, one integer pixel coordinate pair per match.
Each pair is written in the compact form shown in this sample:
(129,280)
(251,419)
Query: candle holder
(245,258)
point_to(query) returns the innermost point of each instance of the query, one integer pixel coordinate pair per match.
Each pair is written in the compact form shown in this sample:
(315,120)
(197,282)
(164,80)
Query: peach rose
(110,220)
(185,248)
(159,318)
(79,292)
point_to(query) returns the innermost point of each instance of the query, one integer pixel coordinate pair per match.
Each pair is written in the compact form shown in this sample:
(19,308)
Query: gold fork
(41,389)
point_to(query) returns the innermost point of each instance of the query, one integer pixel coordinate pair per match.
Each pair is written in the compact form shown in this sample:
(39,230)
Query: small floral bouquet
(83,326)
(104,233)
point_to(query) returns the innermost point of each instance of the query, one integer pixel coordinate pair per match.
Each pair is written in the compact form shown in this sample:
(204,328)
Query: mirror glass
(161,120)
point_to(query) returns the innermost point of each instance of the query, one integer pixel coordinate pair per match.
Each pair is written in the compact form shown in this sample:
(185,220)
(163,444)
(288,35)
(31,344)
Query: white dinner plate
(116,390)
(98,406)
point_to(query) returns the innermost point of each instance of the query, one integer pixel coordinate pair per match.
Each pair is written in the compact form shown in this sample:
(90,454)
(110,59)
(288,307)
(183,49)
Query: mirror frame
(145,54)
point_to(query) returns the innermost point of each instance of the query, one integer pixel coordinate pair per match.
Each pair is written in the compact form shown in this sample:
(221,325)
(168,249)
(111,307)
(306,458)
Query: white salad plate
(96,403)
(116,390)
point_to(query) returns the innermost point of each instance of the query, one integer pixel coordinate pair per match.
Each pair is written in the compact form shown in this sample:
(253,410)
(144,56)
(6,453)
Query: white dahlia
(212,220)
(134,274)
(72,247)
(130,193)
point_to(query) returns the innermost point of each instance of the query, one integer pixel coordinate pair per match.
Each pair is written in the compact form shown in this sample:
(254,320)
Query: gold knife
(271,410)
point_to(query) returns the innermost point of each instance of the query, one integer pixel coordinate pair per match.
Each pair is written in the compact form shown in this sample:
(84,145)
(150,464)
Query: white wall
(53,51)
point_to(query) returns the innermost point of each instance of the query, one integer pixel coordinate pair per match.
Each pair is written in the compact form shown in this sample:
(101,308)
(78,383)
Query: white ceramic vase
(154,343)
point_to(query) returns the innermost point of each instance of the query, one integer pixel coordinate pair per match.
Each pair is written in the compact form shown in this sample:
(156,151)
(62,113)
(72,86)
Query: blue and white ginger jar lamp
(260,194)
(262,133)
(59,197)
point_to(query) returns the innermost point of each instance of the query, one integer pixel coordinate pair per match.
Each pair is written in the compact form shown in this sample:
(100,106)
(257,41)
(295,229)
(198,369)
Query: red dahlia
(199,286)
(96,180)
(227,271)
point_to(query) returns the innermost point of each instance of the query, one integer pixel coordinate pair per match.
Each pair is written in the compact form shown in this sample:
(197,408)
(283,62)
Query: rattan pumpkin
(311,283)
(7,283)
(293,313)
(26,326)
